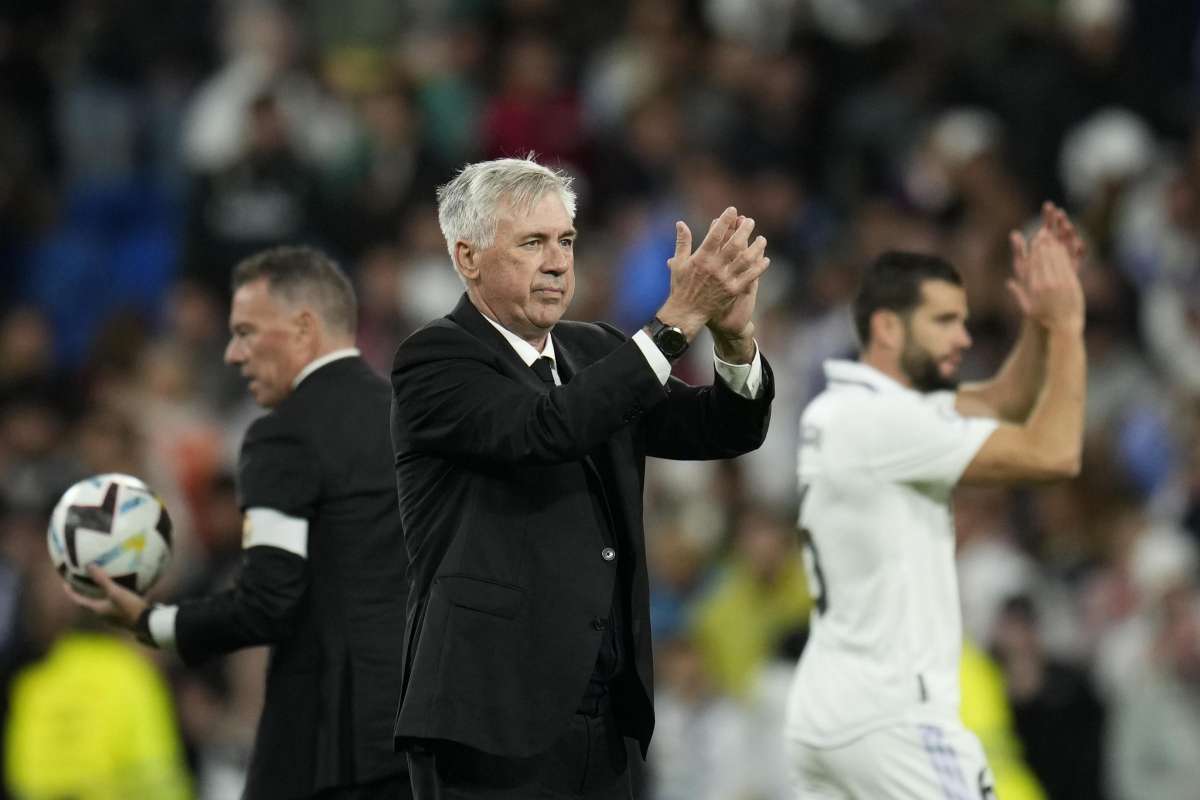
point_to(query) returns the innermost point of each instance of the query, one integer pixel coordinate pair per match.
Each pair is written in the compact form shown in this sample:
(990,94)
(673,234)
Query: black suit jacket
(334,619)
(509,585)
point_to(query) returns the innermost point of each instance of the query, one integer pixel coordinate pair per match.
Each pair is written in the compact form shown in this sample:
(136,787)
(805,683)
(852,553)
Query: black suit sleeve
(705,422)
(278,471)
(453,398)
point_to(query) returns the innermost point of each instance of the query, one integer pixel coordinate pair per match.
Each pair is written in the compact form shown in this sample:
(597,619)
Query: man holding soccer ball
(324,568)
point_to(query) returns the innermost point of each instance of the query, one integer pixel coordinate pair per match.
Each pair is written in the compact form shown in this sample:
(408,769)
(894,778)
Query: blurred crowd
(142,154)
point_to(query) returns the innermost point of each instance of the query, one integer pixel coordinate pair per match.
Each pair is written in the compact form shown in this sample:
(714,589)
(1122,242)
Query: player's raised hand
(1054,292)
(119,605)
(1018,284)
(1060,225)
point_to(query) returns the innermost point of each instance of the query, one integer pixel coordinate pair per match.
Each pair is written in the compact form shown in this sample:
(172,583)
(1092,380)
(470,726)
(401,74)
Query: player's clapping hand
(1060,227)
(1047,283)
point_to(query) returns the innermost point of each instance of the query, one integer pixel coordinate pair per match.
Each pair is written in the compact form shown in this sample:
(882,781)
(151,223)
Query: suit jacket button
(608,554)
(599,624)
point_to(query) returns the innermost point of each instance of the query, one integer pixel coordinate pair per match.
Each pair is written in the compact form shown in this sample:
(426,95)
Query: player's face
(527,277)
(265,342)
(936,337)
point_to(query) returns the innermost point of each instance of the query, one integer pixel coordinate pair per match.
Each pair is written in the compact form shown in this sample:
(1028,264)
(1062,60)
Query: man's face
(935,337)
(527,277)
(265,342)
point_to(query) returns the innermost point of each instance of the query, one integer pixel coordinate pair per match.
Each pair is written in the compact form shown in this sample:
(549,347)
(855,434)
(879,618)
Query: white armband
(271,528)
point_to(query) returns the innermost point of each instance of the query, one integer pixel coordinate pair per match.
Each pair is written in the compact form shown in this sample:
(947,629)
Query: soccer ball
(115,522)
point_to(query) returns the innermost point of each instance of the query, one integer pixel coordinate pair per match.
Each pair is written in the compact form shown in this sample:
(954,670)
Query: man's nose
(233,353)
(557,259)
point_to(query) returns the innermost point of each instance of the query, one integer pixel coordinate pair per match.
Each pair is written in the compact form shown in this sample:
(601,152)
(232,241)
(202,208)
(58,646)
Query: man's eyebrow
(537,234)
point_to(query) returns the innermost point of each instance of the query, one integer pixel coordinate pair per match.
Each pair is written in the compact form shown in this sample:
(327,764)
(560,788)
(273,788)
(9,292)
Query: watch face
(672,342)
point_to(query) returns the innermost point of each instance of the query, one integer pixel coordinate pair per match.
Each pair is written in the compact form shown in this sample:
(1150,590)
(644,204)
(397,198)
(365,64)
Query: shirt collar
(317,363)
(525,350)
(856,372)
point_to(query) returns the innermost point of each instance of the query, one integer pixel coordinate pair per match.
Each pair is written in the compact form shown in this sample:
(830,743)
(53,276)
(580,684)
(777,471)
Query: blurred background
(144,149)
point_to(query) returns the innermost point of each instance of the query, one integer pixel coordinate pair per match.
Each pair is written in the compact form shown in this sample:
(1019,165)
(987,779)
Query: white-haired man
(520,446)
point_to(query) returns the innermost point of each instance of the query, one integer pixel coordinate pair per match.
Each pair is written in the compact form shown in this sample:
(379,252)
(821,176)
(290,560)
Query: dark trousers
(589,762)
(397,787)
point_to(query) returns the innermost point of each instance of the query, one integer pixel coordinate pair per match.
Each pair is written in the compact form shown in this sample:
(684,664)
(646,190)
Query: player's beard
(922,369)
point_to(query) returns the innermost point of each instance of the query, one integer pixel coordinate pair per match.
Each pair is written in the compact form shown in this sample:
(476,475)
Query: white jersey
(877,465)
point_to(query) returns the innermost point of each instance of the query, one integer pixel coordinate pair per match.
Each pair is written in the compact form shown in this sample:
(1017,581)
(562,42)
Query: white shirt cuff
(744,379)
(654,357)
(162,626)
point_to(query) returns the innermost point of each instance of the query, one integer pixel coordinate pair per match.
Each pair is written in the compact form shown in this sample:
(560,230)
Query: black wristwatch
(671,341)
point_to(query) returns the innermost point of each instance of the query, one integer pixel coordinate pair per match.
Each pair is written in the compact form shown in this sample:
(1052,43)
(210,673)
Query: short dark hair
(893,282)
(304,274)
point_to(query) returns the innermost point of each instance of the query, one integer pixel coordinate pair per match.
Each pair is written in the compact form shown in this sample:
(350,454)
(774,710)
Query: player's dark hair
(304,274)
(893,282)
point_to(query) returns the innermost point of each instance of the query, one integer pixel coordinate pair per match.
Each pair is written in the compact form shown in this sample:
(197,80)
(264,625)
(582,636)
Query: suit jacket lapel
(473,322)
(566,362)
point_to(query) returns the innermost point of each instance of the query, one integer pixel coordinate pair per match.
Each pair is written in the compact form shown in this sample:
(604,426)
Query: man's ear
(887,329)
(466,260)
(307,324)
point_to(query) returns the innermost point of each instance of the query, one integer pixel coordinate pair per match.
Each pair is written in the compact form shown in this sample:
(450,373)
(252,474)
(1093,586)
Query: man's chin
(934,381)
(549,316)
(264,399)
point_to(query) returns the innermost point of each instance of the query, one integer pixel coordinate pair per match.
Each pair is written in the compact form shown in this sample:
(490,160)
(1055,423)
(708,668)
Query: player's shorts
(921,761)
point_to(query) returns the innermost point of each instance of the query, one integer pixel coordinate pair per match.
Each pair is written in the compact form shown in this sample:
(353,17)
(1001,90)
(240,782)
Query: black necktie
(543,368)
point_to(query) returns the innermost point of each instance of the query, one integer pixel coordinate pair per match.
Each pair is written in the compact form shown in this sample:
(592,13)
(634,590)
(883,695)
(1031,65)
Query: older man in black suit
(324,571)
(520,448)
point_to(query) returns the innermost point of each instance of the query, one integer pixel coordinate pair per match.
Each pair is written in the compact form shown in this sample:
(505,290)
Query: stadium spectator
(758,599)
(1056,711)
(89,717)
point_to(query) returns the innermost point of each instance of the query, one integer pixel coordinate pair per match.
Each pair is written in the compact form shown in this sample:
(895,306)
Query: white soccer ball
(115,522)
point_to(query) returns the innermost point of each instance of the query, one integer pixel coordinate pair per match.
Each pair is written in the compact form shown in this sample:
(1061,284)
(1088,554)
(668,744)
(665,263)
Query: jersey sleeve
(925,440)
(278,470)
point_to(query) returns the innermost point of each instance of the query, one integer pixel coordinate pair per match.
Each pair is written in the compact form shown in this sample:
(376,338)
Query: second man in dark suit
(324,570)
(520,445)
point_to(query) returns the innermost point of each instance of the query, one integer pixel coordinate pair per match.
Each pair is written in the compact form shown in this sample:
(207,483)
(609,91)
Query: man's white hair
(469,206)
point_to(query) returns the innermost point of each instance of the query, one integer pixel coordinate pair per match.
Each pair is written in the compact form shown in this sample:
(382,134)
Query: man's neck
(327,354)
(887,365)
(536,341)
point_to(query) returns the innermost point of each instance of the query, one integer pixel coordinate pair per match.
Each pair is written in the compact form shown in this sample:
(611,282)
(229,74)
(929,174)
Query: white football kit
(873,710)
